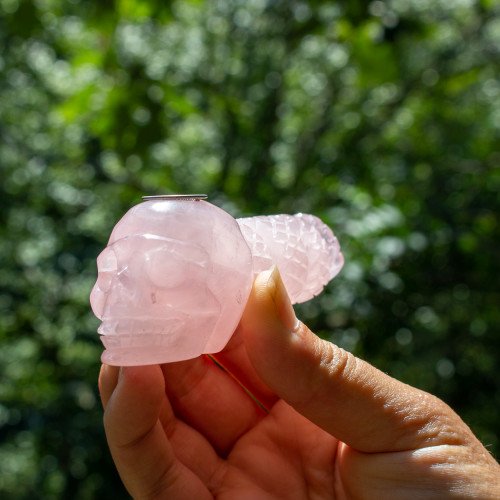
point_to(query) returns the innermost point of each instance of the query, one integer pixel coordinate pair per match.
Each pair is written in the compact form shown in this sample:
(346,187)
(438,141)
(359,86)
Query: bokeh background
(382,118)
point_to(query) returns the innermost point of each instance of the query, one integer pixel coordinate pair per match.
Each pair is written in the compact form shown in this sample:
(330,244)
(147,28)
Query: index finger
(234,359)
(137,440)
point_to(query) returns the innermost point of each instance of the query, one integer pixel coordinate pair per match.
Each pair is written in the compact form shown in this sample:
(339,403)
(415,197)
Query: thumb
(340,393)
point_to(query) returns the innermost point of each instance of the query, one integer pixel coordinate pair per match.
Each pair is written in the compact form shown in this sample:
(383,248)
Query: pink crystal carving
(176,274)
(305,250)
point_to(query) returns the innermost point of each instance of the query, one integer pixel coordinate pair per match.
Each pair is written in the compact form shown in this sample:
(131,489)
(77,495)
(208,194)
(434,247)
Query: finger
(143,456)
(191,448)
(344,395)
(433,472)
(211,401)
(108,378)
(234,358)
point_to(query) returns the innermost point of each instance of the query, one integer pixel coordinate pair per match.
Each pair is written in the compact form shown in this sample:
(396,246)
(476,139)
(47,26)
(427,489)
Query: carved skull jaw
(166,297)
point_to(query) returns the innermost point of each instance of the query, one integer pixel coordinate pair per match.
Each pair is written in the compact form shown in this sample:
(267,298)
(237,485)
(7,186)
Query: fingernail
(283,306)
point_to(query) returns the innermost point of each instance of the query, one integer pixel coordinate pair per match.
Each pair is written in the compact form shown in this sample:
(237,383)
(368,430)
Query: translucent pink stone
(172,283)
(305,250)
(176,274)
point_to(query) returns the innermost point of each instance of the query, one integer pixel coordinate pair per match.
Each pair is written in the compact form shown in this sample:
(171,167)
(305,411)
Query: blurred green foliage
(381,117)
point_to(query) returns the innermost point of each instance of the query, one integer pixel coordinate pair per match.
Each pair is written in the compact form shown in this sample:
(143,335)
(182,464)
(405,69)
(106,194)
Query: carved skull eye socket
(107,264)
(172,264)
(107,261)
(164,270)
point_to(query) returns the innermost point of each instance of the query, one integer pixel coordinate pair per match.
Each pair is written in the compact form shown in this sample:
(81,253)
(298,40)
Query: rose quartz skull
(176,275)
(172,283)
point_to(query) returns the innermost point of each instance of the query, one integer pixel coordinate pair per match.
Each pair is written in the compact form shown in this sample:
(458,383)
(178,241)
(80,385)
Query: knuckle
(335,363)
(429,421)
(164,483)
(329,365)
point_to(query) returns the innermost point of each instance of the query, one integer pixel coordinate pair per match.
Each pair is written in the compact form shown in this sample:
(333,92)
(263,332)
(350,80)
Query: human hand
(327,425)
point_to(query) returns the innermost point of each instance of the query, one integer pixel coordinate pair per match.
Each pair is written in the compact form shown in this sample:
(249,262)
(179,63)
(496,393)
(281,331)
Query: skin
(282,414)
